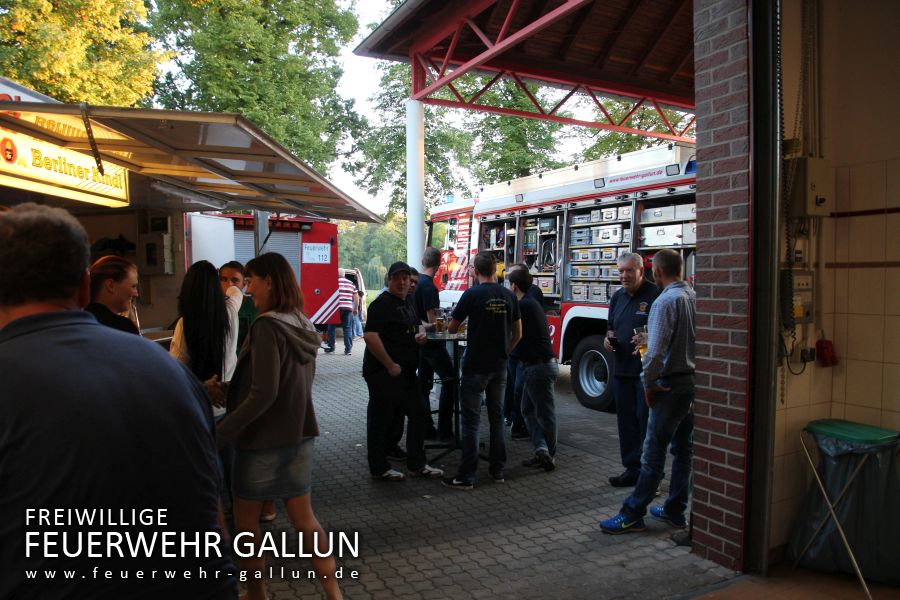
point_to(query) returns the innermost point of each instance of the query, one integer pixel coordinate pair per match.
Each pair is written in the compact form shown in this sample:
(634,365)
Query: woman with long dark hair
(205,337)
(271,419)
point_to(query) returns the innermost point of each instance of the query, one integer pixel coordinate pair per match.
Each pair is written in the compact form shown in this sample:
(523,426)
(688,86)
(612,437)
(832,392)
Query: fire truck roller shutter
(591,372)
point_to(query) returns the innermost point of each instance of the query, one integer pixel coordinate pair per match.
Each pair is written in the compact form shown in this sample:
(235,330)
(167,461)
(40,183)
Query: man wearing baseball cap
(393,335)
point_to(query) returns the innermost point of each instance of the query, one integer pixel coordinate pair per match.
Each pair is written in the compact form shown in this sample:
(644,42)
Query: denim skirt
(273,473)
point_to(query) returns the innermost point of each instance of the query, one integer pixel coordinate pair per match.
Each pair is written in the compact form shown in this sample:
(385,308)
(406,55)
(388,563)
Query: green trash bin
(859,468)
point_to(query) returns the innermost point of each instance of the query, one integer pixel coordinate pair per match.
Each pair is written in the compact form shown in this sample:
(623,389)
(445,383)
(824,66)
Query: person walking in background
(271,419)
(668,378)
(494,329)
(628,310)
(434,357)
(393,334)
(348,301)
(114,286)
(94,418)
(537,374)
(232,274)
(512,399)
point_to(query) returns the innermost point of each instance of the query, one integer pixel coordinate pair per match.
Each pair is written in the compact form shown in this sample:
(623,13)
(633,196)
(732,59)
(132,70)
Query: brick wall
(723,269)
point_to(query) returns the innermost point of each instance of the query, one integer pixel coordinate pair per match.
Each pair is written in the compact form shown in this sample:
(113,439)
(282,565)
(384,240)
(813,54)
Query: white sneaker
(427,471)
(392,475)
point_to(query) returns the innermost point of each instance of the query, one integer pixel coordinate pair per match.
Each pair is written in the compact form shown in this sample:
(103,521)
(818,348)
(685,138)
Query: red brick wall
(722,75)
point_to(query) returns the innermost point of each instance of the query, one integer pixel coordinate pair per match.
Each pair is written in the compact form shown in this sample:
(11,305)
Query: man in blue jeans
(494,329)
(537,373)
(668,377)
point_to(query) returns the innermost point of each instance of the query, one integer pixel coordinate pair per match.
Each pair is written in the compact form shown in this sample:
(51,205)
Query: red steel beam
(540,24)
(564,120)
(445,22)
(509,15)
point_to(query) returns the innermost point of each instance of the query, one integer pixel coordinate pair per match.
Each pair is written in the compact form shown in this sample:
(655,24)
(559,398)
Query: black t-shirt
(491,309)
(394,320)
(535,344)
(535,293)
(427,296)
(625,314)
(107,317)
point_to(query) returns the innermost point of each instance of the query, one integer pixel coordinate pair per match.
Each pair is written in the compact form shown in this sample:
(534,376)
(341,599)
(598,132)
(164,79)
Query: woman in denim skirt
(271,419)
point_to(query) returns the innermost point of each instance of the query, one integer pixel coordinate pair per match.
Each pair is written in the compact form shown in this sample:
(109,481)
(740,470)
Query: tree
(372,248)
(273,61)
(381,159)
(600,143)
(94,51)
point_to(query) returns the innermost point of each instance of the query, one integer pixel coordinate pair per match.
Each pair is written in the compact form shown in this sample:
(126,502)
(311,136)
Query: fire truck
(569,226)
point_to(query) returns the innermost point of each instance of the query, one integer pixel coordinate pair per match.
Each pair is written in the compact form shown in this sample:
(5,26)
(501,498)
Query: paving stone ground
(534,537)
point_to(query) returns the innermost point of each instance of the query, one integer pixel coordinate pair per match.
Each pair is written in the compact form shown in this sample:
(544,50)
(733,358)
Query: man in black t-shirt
(537,373)
(392,337)
(435,358)
(494,329)
(628,309)
(512,402)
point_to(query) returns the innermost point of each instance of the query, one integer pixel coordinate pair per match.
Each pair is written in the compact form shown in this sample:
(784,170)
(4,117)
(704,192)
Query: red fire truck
(568,227)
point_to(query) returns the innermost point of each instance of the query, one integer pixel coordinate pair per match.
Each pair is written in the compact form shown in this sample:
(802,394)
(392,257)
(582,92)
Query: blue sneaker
(622,524)
(660,514)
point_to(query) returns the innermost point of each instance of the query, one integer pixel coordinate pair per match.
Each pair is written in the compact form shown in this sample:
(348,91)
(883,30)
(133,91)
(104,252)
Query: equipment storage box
(548,224)
(581,237)
(608,234)
(613,288)
(596,215)
(579,271)
(624,212)
(689,233)
(584,219)
(545,284)
(579,292)
(626,237)
(609,254)
(598,292)
(609,214)
(686,211)
(660,213)
(578,255)
(661,235)
(609,272)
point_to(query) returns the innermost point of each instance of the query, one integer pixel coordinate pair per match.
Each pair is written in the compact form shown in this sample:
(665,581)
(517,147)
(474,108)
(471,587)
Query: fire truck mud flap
(591,371)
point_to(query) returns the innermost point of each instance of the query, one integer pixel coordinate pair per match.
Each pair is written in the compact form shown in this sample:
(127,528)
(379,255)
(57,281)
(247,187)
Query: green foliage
(381,162)
(273,61)
(94,51)
(372,248)
(601,143)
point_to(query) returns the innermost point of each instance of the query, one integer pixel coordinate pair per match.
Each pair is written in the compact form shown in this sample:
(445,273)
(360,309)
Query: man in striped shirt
(668,378)
(348,300)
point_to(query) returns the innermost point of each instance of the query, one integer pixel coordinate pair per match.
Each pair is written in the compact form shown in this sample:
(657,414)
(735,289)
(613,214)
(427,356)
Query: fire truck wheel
(591,368)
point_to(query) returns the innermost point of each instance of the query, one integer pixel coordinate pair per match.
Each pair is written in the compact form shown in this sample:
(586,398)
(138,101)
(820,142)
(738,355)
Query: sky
(361,80)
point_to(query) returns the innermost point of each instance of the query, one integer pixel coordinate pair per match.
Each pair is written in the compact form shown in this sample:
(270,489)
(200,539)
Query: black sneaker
(498,477)
(626,479)
(545,459)
(534,462)
(456,484)
(329,350)
(519,434)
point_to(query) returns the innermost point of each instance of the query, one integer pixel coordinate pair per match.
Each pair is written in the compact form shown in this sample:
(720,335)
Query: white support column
(415,182)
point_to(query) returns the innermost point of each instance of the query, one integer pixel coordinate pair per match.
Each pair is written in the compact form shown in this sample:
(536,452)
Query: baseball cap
(398,267)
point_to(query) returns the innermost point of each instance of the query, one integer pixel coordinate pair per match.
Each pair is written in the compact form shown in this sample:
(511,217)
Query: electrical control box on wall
(812,191)
(155,254)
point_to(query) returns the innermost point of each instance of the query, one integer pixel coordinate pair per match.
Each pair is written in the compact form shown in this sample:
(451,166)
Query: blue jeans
(512,401)
(671,421)
(493,385)
(538,407)
(347,326)
(631,417)
(357,325)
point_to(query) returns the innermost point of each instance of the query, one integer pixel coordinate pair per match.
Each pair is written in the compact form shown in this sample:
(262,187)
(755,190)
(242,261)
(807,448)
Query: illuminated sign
(38,166)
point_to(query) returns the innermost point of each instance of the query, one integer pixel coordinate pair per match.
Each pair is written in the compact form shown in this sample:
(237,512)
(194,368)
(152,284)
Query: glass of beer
(641,335)
(439,325)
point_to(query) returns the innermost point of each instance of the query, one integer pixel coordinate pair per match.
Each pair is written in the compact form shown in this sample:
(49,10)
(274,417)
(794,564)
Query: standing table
(456,339)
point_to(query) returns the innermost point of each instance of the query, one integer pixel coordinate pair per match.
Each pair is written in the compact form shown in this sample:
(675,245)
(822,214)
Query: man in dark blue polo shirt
(512,402)
(94,419)
(628,309)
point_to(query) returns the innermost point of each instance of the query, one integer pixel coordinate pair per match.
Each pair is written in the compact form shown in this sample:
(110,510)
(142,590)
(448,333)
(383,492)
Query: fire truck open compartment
(569,227)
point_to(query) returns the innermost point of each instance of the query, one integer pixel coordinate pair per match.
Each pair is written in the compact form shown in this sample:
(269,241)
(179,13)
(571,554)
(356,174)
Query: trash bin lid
(852,432)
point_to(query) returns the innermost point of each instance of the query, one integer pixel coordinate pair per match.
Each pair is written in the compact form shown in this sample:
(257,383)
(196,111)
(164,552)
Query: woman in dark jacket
(270,418)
